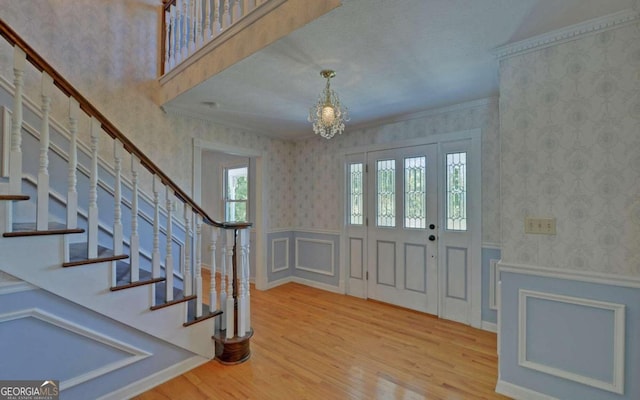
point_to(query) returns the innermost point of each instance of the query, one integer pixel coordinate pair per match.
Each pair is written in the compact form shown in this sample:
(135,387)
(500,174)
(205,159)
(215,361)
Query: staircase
(85,222)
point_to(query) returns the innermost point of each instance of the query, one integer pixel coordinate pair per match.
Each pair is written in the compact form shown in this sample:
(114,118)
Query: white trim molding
(617,373)
(494,278)
(151,381)
(273,254)
(489,326)
(571,274)
(519,392)
(568,33)
(311,268)
(136,354)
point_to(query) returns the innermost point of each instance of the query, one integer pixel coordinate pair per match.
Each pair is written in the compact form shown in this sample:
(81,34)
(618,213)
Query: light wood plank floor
(312,344)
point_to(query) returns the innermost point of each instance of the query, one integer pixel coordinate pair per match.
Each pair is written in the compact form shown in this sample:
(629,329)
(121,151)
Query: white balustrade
(185,30)
(118,236)
(223,279)
(243,268)
(134,241)
(217,20)
(168,262)
(213,293)
(198,266)
(155,254)
(186,266)
(42,207)
(236,12)
(15,155)
(191,24)
(72,178)
(92,223)
(229,308)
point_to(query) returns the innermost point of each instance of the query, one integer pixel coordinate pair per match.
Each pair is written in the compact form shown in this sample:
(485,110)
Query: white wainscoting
(315,268)
(136,354)
(618,310)
(274,244)
(494,277)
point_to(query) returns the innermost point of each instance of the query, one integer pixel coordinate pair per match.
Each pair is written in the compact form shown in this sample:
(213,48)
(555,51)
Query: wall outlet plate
(540,226)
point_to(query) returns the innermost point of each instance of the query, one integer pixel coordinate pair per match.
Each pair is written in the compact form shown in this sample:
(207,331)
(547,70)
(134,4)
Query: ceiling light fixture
(328,115)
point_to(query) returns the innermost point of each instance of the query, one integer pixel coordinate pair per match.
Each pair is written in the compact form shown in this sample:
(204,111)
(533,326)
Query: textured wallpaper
(109,51)
(570,132)
(319,170)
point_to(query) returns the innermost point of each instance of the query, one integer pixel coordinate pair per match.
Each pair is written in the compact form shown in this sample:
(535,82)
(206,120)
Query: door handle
(432,226)
(432,238)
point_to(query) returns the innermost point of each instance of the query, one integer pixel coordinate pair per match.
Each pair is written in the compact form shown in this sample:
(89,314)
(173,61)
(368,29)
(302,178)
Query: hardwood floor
(312,344)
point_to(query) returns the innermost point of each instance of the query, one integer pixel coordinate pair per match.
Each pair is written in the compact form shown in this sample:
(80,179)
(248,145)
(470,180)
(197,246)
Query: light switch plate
(540,226)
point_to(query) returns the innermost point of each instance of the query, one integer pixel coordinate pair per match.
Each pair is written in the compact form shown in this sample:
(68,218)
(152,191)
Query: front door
(401,230)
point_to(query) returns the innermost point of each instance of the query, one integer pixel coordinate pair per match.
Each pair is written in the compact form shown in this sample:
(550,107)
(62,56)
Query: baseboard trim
(519,392)
(306,282)
(317,285)
(489,326)
(156,379)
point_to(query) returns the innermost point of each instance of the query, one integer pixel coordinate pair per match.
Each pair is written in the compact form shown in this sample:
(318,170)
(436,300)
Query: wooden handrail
(37,61)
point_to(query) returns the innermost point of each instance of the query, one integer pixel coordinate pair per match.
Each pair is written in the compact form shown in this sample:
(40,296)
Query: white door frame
(259,219)
(475,178)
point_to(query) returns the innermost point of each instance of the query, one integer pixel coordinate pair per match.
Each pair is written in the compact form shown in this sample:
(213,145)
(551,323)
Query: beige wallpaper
(570,122)
(319,170)
(109,51)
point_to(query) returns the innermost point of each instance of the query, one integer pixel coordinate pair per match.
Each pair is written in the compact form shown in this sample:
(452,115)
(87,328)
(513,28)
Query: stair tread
(14,197)
(30,229)
(78,255)
(173,302)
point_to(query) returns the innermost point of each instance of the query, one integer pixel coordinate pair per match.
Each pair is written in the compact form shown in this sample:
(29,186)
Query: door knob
(432,238)
(432,226)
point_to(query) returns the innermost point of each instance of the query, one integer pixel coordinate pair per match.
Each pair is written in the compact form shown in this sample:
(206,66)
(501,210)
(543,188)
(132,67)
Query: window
(356,210)
(457,191)
(415,195)
(236,194)
(386,196)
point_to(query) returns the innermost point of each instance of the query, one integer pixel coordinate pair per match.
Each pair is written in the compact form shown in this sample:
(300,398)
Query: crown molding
(568,33)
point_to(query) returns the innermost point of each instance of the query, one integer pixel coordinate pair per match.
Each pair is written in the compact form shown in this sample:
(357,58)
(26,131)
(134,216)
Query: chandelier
(328,115)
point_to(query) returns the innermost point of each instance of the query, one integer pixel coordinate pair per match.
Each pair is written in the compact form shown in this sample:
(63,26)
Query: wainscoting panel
(550,325)
(315,255)
(356,258)
(386,255)
(569,335)
(456,273)
(280,254)
(490,278)
(415,274)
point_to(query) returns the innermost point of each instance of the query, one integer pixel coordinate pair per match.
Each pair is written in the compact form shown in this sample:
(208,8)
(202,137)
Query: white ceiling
(392,57)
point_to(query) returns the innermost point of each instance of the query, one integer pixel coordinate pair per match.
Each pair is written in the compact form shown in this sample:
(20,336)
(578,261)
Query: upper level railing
(189,25)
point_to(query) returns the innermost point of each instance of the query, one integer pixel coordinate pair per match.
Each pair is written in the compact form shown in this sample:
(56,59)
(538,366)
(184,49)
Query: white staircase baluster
(15,156)
(117,206)
(198,266)
(42,214)
(92,223)
(207,21)
(72,179)
(192,26)
(217,27)
(186,267)
(213,293)
(185,30)
(134,241)
(199,24)
(167,41)
(229,308)
(168,263)
(175,36)
(178,37)
(226,15)
(243,244)
(155,255)
(236,12)
(223,278)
